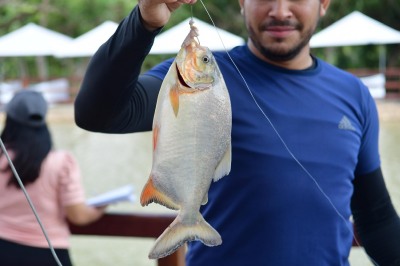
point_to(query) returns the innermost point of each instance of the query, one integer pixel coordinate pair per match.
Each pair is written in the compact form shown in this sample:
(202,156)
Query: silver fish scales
(191,144)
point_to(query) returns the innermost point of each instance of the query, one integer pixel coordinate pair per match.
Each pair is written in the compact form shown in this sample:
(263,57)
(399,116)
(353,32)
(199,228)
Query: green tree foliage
(70,17)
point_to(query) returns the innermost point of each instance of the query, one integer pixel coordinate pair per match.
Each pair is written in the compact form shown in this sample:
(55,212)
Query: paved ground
(389,109)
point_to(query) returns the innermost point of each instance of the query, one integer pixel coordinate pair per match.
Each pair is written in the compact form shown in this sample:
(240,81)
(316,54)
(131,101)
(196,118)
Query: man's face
(279,30)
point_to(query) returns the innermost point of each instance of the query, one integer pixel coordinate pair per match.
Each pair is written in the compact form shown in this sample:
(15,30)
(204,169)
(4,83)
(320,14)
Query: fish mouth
(180,78)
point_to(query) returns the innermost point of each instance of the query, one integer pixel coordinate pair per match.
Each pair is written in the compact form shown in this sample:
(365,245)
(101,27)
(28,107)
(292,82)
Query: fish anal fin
(224,166)
(174,98)
(178,233)
(151,194)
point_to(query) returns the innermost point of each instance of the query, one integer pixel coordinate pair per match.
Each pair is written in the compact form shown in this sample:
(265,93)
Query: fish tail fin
(178,233)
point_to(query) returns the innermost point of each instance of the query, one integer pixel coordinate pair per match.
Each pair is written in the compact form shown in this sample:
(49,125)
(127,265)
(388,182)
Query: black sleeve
(376,220)
(111,100)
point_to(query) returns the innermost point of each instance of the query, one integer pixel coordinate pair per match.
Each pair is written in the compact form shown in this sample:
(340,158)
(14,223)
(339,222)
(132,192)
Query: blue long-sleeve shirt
(271,209)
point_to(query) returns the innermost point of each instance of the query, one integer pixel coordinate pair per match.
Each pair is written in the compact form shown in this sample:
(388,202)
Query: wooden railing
(138,225)
(392,76)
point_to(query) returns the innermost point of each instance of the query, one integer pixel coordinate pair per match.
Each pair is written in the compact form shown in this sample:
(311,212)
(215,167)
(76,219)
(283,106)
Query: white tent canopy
(355,29)
(170,41)
(88,43)
(32,40)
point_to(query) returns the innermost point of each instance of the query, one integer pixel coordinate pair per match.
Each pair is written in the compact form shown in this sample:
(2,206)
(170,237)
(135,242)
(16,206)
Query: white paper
(124,193)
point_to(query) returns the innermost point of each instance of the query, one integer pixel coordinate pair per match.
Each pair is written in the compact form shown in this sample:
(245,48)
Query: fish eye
(206,59)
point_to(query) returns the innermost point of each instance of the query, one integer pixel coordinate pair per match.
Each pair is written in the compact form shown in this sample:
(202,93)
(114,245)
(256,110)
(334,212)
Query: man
(304,152)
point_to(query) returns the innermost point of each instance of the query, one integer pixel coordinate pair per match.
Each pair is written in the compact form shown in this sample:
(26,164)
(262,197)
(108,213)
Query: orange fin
(174,97)
(151,194)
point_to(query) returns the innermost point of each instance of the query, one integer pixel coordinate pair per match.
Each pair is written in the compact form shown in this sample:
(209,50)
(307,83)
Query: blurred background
(74,18)
(42,47)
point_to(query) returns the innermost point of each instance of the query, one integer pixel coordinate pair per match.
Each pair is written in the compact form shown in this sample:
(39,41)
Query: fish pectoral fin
(151,194)
(178,233)
(224,166)
(174,98)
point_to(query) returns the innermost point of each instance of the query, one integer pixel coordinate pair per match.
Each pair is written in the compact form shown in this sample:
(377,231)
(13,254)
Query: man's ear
(241,3)
(324,7)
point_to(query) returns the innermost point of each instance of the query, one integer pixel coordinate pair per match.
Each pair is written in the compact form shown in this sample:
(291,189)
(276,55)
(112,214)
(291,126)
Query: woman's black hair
(29,146)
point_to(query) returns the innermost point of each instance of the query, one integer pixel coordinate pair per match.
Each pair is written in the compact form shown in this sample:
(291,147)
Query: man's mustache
(281,23)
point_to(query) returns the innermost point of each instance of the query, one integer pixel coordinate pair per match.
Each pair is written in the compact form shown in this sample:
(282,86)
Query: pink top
(59,185)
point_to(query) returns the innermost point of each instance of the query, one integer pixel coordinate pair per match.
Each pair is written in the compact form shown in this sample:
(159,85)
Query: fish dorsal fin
(224,166)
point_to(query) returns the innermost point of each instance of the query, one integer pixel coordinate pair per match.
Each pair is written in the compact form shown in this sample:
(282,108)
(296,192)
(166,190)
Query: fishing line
(3,148)
(281,138)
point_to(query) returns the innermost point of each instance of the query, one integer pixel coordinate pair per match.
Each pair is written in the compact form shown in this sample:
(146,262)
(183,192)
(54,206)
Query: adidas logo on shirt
(345,124)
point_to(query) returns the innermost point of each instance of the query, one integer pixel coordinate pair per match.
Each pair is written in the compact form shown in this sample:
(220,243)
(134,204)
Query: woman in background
(53,181)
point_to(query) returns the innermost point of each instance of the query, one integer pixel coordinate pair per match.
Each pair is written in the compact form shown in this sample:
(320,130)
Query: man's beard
(282,55)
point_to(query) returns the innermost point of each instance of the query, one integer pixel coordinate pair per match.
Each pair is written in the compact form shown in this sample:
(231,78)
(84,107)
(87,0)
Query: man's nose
(280,9)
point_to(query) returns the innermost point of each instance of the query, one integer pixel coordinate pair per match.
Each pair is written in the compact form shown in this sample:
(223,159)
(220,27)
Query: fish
(192,127)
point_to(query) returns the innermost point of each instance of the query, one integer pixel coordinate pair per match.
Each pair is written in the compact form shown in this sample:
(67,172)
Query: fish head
(195,64)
